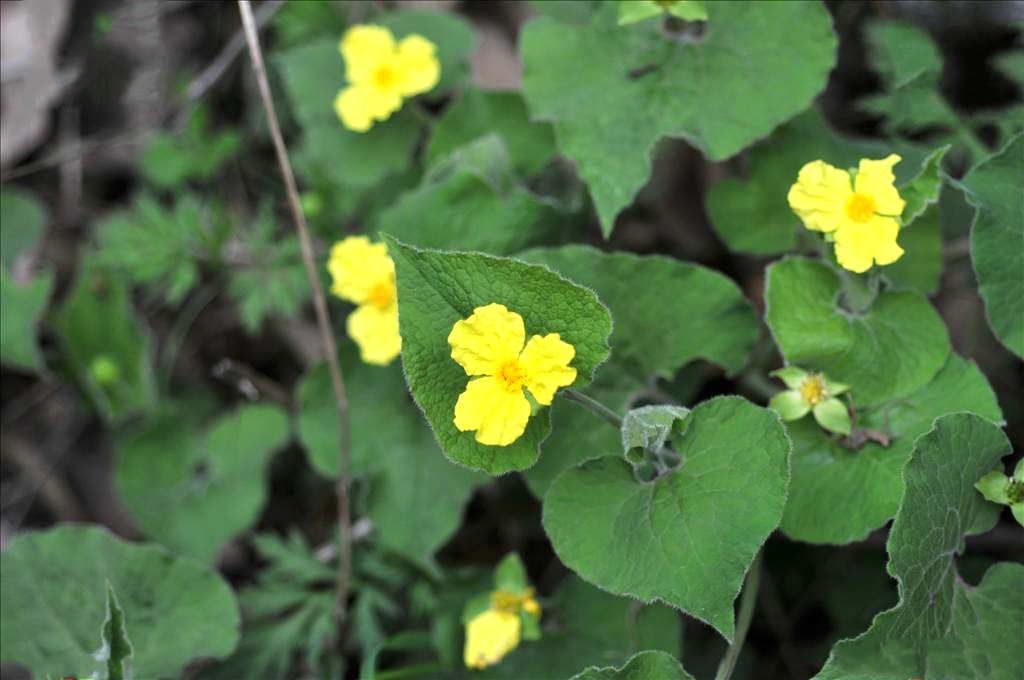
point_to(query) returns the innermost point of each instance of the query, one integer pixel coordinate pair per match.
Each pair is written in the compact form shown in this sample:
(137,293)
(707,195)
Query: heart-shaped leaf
(889,351)
(436,289)
(649,664)
(838,494)
(688,537)
(614,91)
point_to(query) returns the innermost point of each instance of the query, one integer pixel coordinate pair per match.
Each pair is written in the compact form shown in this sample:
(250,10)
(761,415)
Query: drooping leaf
(22,221)
(472,200)
(393,448)
(21,308)
(667,313)
(192,493)
(838,494)
(54,604)
(651,427)
(889,351)
(437,289)
(923,191)
(646,86)
(688,537)
(753,216)
(942,627)
(644,666)
(98,327)
(531,145)
(997,240)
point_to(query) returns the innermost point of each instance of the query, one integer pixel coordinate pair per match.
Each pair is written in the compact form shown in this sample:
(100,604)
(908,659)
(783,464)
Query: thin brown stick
(320,305)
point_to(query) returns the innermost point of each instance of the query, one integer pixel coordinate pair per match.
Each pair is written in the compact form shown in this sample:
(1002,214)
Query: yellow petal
(363,48)
(490,635)
(857,245)
(546,364)
(875,179)
(530,605)
(491,336)
(819,195)
(418,67)
(498,416)
(357,266)
(358,106)
(375,331)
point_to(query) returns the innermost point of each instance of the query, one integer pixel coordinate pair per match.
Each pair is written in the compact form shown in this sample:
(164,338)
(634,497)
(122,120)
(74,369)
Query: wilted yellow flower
(861,215)
(490,344)
(363,274)
(496,631)
(381,74)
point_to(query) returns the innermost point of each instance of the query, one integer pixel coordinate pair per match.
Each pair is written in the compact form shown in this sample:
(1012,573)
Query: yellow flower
(490,344)
(381,74)
(862,216)
(496,631)
(363,274)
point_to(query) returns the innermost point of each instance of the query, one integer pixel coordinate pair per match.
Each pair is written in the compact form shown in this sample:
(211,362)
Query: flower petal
(497,415)
(790,375)
(375,331)
(789,405)
(819,196)
(363,48)
(356,265)
(490,635)
(832,415)
(875,179)
(358,106)
(490,336)
(546,364)
(417,65)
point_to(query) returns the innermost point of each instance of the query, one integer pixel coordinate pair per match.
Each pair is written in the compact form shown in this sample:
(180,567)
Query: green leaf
(22,222)
(923,190)
(687,538)
(583,625)
(921,264)
(651,427)
(54,604)
(21,308)
(97,321)
(706,316)
(297,23)
(117,648)
(942,627)
(472,201)
(646,87)
(393,447)
(839,495)
(689,10)
(510,575)
(886,352)
(215,484)
(753,216)
(632,11)
(436,289)
(997,240)
(644,666)
(480,112)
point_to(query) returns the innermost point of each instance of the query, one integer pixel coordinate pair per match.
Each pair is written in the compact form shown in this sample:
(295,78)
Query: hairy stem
(319,304)
(747,603)
(595,407)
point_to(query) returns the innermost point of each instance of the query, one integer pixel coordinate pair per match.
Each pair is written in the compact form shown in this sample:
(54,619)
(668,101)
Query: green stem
(747,603)
(595,407)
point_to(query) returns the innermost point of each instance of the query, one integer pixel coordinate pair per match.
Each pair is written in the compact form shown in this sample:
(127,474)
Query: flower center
(385,77)
(1015,490)
(504,601)
(510,375)
(382,295)
(812,390)
(860,207)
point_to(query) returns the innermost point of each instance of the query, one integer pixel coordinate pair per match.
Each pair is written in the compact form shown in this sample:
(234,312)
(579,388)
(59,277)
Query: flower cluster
(497,630)
(811,393)
(382,73)
(860,213)
(363,274)
(489,345)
